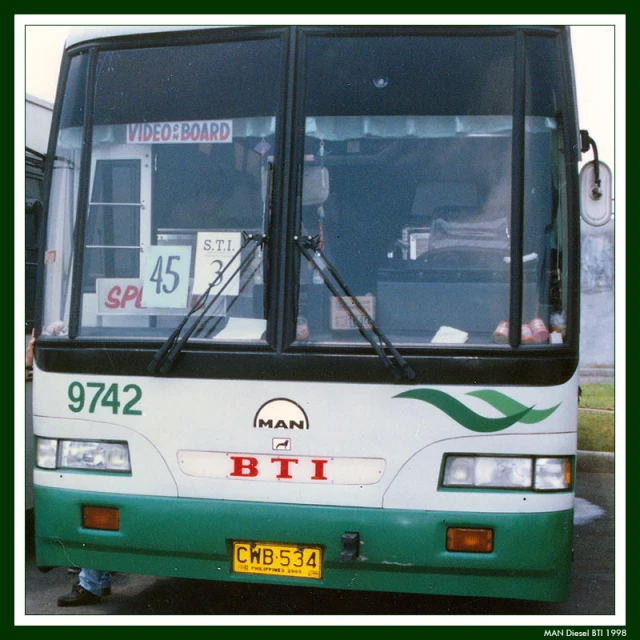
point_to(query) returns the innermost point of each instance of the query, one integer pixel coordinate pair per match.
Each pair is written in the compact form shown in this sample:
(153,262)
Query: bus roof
(94,32)
(88,33)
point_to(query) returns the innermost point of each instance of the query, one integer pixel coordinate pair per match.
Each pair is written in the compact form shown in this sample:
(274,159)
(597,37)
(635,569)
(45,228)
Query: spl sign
(126,296)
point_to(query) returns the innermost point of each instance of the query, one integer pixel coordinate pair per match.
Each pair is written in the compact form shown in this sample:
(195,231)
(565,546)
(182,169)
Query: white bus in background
(38,114)
(310,307)
(37,128)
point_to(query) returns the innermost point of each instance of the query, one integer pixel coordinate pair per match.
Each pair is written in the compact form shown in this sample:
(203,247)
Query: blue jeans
(95,580)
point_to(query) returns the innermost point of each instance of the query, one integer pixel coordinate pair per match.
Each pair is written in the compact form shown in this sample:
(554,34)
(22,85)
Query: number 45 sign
(214,251)
(166,277)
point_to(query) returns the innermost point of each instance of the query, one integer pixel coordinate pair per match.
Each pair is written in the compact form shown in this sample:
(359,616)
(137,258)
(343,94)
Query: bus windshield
(405,183)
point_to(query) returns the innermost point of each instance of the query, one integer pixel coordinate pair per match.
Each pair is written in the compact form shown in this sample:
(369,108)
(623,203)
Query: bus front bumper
(392,550)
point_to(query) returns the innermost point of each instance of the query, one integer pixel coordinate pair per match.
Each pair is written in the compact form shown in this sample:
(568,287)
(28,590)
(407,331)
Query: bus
(38,114)
(308,308)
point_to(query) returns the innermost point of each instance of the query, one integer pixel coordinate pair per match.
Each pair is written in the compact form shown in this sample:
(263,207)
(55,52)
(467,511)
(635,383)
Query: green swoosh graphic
(462,414)
(508,406)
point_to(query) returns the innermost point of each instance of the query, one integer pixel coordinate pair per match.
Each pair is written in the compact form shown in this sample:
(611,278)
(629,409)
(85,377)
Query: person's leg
(94,580)
(88,589)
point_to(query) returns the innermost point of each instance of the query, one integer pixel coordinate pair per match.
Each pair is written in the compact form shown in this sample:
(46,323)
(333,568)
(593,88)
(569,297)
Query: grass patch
(597,396)
(596,431)
(596,428)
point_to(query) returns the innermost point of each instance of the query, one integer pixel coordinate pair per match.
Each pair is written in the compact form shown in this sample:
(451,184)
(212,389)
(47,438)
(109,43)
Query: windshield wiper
(310,248)
(173,345)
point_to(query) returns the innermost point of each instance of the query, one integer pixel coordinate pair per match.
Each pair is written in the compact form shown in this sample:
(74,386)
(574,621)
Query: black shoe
(78,597)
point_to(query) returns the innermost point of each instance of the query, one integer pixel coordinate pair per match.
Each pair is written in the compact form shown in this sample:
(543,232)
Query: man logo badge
(281,444)
(281,413)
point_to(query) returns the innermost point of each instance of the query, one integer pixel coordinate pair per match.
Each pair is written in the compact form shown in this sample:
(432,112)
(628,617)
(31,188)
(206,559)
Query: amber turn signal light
(107,518)
(469,540)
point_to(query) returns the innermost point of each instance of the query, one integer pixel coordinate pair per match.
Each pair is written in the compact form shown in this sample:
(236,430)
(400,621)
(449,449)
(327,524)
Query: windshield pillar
(517,190)
(83,190)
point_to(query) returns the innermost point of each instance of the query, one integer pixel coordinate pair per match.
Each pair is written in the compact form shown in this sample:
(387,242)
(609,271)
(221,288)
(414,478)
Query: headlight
(82,454)
(508,472)
(46,453)
(553,474)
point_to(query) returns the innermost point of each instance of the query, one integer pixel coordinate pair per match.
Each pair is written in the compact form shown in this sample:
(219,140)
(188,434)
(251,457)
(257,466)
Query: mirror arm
(586,142)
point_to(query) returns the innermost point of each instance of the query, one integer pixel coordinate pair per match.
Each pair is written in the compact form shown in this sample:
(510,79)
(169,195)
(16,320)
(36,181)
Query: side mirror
(596,203)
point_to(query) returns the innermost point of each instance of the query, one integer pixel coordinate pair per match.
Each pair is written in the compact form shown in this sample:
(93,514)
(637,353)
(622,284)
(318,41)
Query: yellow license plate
(285,560)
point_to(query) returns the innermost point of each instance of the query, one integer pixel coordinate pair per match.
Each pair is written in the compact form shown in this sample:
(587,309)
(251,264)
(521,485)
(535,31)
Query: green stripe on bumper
(401,550)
